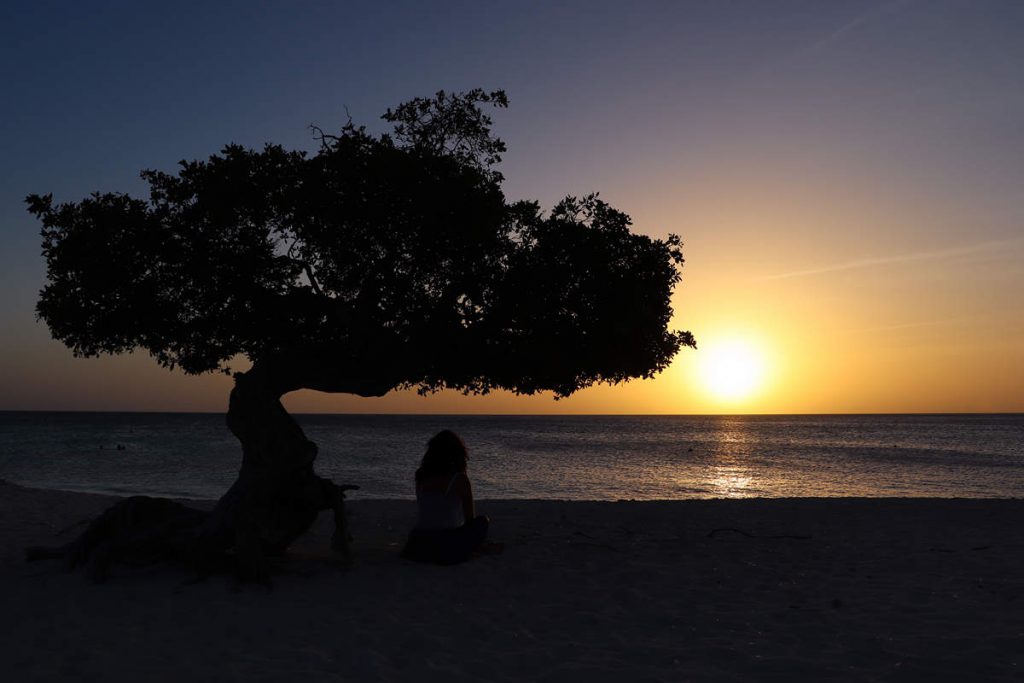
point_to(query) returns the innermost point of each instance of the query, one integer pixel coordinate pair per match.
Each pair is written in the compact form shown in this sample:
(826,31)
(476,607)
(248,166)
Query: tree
(379,262)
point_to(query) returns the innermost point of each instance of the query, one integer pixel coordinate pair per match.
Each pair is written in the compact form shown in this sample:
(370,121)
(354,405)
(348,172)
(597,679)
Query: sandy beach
(786,589)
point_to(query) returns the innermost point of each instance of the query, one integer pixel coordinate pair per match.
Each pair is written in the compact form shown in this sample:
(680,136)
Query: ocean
(543,457)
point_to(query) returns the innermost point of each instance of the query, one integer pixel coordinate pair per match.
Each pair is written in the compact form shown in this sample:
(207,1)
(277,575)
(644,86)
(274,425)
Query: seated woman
(447,529)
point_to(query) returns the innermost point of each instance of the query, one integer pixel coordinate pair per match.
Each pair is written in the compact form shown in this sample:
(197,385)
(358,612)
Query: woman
(447,528)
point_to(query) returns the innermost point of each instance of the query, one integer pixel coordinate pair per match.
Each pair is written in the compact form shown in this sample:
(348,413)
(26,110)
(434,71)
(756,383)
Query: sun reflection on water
(730,481)
(728,474)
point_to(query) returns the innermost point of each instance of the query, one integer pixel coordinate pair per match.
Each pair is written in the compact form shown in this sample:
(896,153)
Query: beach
(755,589)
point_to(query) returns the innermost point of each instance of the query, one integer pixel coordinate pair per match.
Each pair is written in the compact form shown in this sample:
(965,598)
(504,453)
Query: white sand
(883,590)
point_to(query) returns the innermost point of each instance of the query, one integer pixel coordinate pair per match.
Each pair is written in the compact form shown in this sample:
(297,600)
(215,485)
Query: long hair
(446,454)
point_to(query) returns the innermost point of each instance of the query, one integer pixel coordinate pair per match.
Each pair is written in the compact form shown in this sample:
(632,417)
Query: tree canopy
(375,262)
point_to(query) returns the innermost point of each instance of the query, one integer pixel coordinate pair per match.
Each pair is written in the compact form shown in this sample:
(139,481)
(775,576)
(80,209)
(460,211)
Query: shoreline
(711,589)
(355,497)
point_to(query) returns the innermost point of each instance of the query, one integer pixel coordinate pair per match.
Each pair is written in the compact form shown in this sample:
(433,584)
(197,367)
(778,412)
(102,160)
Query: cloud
(915,325)
(874,14)
(966,250)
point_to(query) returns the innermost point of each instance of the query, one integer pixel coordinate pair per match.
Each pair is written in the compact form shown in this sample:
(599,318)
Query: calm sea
(561,457)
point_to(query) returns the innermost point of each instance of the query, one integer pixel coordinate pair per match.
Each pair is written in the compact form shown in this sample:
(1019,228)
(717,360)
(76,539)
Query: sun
(731,370)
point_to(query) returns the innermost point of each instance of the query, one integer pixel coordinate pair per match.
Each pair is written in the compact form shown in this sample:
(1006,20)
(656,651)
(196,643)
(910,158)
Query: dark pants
(446,546)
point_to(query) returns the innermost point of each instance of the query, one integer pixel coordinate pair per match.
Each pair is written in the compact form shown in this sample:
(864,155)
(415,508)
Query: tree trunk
(277,495)
(275,499)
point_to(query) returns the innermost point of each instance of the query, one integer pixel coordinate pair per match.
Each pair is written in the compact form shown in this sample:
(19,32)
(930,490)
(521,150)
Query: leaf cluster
(394,257)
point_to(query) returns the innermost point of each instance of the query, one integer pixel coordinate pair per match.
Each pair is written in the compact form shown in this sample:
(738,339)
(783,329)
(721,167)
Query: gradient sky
(848,177)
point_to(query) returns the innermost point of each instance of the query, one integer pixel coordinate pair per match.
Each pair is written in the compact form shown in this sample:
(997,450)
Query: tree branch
(326,369)
(312,279)
(319,134)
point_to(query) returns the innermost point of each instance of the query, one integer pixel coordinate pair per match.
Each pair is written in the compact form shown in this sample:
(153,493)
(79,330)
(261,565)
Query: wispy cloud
(966,250)
(946,322)
(876,13)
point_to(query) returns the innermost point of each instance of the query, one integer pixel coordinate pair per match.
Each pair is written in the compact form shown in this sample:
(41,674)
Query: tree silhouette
(379,262)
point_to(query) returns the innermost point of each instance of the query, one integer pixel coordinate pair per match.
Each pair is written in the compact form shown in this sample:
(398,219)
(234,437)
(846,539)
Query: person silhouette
(448,529)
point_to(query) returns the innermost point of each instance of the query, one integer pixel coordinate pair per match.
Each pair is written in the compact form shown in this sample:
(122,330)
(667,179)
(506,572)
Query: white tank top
(439,510)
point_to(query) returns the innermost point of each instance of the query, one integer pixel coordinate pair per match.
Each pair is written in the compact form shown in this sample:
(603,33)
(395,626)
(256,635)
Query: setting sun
(731,370)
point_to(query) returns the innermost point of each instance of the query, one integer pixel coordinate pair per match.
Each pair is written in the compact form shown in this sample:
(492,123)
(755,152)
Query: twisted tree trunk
(277,495)
(275,499)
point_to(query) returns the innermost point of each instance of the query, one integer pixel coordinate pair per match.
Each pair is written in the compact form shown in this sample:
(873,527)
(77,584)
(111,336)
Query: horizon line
(365,414)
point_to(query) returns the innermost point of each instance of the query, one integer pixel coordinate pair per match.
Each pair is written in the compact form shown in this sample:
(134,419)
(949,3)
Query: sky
(846,176)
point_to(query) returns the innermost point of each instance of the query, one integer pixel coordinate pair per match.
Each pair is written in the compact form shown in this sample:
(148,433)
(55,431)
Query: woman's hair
(446,454)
